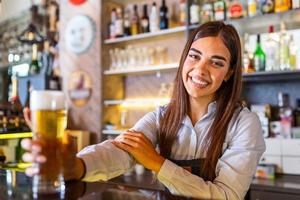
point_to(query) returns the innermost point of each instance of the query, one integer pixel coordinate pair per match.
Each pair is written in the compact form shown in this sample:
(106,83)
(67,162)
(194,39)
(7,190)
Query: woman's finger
(29,157)
(31,171)
(139,137)
(125,147)
(26,144)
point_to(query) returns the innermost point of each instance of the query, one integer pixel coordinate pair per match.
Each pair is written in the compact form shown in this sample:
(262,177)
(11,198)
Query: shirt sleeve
(105,161)
(234,170)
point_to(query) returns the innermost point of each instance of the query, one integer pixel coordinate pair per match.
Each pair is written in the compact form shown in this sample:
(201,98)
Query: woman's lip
(199,78)
(198,85)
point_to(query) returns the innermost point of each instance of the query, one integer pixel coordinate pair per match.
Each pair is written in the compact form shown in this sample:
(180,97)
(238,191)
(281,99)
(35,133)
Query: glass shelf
(259,23)
(272,76)
(142,70)
(146,35)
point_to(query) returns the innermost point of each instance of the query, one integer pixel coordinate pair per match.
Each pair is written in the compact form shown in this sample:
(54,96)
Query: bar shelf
(146,35)
(272,76)
(143,70)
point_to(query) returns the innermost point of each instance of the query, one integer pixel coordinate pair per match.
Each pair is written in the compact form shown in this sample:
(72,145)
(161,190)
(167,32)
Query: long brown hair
(227,98)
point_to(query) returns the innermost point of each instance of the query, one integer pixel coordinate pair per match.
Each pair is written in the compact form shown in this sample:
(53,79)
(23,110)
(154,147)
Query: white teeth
(200,82)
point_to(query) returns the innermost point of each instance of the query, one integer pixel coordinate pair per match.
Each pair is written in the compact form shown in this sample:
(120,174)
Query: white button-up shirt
(242,149)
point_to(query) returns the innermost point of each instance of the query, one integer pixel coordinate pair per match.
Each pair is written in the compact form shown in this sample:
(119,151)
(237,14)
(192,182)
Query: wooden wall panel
(88,116)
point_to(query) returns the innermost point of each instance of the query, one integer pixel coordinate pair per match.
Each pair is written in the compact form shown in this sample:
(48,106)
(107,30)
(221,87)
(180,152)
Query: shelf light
(5,136)
(144,103)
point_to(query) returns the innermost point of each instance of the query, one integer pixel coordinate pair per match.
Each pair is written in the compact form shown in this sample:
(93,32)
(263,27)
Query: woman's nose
(202,66)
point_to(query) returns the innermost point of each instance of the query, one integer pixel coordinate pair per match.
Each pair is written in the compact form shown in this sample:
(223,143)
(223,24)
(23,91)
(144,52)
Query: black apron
(193,166)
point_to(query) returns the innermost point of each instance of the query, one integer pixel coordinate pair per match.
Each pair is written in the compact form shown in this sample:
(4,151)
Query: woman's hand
(141,149)
(73,167)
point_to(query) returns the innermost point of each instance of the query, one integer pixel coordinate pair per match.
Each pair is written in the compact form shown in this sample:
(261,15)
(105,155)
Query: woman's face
(206,67)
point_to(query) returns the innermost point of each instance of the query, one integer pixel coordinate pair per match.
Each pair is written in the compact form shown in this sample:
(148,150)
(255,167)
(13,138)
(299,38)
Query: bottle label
(235,10)
(126,23)
(252,9)
(194,15)
(119,27)
(259,63)
(219,9)
(286,127)
(268,6)
(145,23)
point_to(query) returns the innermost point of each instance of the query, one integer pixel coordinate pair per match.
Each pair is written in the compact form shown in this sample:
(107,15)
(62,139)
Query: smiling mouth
(199,83)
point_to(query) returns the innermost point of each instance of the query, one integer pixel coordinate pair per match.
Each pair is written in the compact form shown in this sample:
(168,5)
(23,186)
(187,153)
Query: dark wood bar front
(15,185)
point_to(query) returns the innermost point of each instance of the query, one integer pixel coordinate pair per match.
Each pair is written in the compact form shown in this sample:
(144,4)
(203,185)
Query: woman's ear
(228,75)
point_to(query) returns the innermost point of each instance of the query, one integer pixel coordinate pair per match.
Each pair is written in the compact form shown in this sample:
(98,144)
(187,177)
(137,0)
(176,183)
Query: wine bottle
(145,20)
(164,20)
(259,57)
(135,21)
(154,22)
(34,65)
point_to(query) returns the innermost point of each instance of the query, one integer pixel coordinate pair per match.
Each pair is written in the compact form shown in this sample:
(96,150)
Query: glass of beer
(49,120)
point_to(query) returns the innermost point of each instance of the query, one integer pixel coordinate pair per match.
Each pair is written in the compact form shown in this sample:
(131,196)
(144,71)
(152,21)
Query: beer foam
(47,100)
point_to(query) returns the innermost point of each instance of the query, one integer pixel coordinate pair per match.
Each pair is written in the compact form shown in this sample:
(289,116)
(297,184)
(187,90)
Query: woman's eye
(219,64)
(193,56)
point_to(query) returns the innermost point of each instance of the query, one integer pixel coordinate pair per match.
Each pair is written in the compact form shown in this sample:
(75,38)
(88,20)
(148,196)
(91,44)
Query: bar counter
(15,185)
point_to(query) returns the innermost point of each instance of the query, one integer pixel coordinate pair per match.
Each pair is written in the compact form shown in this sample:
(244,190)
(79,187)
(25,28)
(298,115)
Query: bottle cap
(271,29)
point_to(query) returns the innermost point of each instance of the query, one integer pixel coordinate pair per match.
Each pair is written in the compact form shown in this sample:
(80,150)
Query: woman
(209,144)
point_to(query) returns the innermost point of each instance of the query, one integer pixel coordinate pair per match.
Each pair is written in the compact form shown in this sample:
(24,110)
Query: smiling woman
(209,143)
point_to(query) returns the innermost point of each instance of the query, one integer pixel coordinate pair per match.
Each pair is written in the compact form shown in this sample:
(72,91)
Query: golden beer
(48,128)
(49,120)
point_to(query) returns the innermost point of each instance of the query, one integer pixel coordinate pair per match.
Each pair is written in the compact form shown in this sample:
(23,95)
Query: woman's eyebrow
(219,57)
(195,50)
(215,56)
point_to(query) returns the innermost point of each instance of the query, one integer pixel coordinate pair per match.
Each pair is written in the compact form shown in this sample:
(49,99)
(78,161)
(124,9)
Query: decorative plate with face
(80,34)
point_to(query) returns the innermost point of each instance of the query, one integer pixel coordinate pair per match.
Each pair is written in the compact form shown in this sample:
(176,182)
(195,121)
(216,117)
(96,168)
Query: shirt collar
(212,106)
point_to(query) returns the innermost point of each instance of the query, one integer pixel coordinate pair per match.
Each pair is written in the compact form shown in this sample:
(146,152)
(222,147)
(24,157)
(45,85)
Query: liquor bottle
(34,65)
(272,53)
(219,10)
(154,21)
(195,12)
(135,21)
(5,122)
(145,20)
(285,114)
(127,30)
(182,12)
(1,120)
(295,4)
(252,8)
(112,25)
(282,5)
(119,26)
(16,106)
(297,113)
(207,13)
(267,6)
(293,53)
(235,9)
(248,65)
(284,50)
(47,59)
(259,56)
(164,19)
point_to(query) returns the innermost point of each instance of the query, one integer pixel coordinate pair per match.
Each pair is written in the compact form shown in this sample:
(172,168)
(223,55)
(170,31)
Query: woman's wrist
(158,164)
(80,169)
